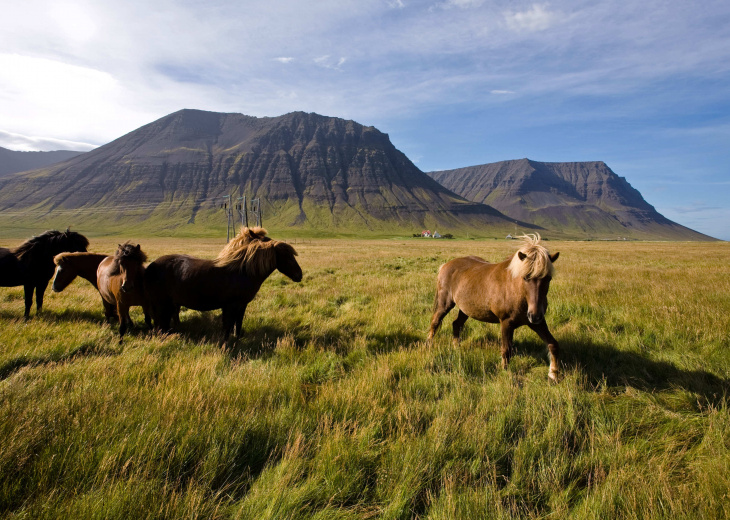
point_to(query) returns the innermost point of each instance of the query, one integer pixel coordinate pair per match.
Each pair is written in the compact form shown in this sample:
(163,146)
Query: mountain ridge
(309,170)
(586,196)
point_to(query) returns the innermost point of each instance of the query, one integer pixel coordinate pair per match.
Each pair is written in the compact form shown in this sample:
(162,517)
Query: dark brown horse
(85,265)
(31,263)
(229,282)
(71,265)
(512,293)
(120,280)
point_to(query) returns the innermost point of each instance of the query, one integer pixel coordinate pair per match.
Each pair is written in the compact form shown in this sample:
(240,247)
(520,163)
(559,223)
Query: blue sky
(644,87)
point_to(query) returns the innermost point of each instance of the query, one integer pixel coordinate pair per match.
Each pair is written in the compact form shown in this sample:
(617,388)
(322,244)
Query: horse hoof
(553,376)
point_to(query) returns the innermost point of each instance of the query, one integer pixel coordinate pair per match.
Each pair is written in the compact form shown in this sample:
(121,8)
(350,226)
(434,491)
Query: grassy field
(333,407)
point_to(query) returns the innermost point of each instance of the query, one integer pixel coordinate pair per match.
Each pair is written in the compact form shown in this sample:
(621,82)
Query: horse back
(479,288)
(11,270)
(196,283)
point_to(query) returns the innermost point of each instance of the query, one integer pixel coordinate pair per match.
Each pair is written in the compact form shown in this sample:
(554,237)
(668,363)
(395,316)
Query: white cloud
(501,92)
(536,18)
(25,143)
(284,59)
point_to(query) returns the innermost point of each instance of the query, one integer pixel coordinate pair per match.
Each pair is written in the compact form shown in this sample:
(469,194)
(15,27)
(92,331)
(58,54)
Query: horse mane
(252,252)
(537,263)
(50,240)
(129,252)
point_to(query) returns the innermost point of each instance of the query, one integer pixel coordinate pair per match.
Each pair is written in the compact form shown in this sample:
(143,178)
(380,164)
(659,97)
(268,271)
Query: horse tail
(438,289)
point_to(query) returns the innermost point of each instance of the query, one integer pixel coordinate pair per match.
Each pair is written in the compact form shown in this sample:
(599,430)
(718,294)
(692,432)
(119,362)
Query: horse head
(533,265)
(63,277)
(129,262)
(286,261)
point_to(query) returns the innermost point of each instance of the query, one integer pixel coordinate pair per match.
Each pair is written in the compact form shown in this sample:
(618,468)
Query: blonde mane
(536,264)
(252,252)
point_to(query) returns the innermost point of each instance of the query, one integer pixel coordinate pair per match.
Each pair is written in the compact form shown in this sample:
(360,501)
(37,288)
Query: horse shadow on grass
(86,349)
(605,365)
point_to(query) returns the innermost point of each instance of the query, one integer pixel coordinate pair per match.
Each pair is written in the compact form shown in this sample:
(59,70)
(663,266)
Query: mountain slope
(309,171)
(581,198)
(12,161)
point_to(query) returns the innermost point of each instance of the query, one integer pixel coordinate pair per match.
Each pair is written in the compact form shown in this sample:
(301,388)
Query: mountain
(309,171)
(12,161)
(584,199)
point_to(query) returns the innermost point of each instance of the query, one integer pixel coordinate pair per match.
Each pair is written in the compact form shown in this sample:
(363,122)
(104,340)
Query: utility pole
(256,210)
(227,205)
(242,211)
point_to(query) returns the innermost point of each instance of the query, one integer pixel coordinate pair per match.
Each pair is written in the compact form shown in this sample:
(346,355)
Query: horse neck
(86,266)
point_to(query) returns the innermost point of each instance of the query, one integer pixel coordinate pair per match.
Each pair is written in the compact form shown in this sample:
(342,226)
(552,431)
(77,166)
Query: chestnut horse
(31,263)
(512,293)
(119,279)
(229,282)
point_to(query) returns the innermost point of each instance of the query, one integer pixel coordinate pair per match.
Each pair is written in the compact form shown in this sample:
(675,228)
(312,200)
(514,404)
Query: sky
(643,86)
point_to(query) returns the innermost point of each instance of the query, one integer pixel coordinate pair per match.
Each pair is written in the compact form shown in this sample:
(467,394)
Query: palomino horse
(31,263)
(512,293)
(229,282)
(119,279)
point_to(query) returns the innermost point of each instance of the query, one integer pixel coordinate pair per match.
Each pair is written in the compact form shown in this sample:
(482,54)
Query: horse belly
(478,312)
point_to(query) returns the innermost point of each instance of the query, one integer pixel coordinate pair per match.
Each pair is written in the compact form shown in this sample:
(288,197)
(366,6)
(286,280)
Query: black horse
(31,264)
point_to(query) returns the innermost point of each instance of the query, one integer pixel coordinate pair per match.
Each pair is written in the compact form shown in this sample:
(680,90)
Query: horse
(31,264)
(119,279)
(229,282)
(85,265)
(512,293)
(71,265)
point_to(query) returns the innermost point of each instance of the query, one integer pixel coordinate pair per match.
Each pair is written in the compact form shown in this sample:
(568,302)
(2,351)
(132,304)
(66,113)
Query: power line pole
(242,211)
(227,205)
(256,209)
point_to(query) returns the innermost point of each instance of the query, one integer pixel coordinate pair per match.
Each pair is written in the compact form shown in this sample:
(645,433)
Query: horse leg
(458,324)
(507,334)
(110,311)
(28,288)
(552,345)
(124,320)
(229,321)
(239,321)
(40,290)
(441,306)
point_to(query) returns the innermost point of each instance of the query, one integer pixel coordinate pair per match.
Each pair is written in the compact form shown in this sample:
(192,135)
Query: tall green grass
(332,407)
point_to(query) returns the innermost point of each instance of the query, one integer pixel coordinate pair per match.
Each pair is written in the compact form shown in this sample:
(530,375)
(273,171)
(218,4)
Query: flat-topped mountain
(583,199)
(12,161)
(308,170)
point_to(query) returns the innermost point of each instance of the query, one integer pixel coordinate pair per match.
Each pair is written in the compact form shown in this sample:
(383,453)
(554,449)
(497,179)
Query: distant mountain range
(586,198)
(12,161)
(321,174)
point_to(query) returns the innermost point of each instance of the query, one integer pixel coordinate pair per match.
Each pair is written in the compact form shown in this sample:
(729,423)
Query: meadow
(332,406)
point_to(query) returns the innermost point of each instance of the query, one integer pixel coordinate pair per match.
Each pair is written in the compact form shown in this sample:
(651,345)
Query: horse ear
(521,255)
(138,248)
(554,257)
(68,230)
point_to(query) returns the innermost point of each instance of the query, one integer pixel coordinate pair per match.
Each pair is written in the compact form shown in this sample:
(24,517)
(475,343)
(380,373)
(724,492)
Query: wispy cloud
(27,143)
(284,59)
(536,18)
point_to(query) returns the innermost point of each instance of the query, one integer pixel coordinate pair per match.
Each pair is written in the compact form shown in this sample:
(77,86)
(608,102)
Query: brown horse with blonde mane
(229,282)
(512,293)
(119,279)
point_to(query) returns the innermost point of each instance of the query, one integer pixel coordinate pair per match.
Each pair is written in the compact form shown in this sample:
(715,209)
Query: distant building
(436,235)
(426,233)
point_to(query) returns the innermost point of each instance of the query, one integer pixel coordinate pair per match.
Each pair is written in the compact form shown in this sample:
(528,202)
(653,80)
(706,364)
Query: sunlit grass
(332,405)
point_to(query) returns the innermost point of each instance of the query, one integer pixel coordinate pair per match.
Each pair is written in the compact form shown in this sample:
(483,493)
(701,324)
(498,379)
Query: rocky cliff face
(307,169)
(582,198)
